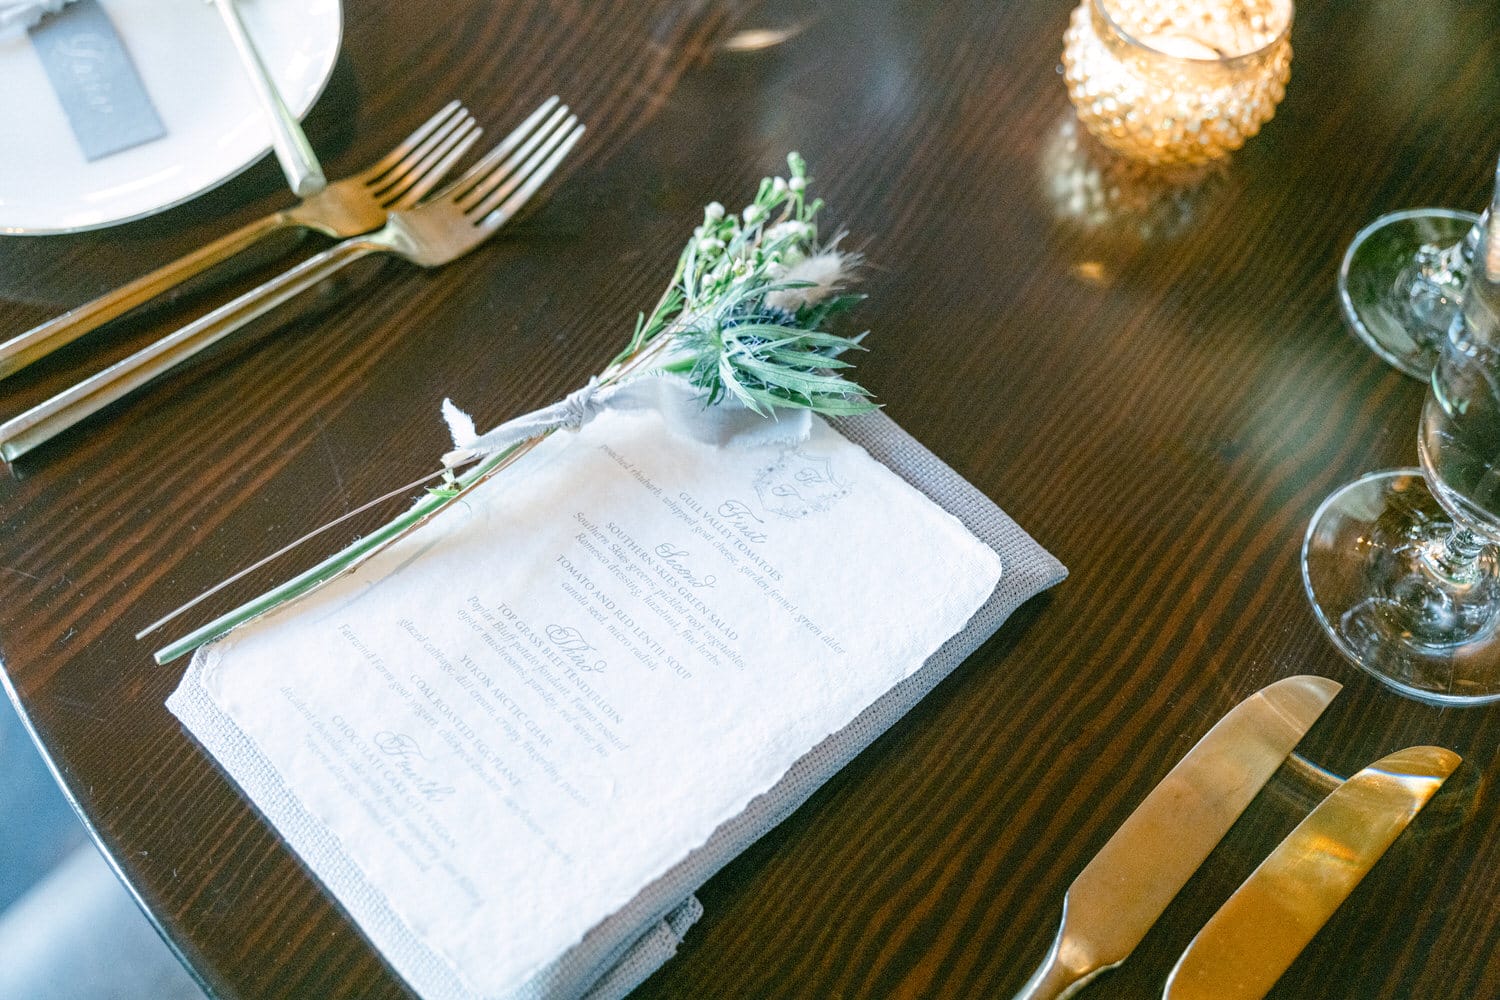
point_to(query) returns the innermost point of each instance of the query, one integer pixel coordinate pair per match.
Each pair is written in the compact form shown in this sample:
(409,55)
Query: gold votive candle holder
(1177,81)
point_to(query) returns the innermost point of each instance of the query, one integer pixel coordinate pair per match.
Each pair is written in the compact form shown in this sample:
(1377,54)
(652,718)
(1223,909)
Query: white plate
(214,126)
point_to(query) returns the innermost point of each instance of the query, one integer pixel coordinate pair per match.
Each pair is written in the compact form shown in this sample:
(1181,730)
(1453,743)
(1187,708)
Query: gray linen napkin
(624,949)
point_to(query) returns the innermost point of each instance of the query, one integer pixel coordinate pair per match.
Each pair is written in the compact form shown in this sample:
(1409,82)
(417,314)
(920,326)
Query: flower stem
(423,511)
(345,559)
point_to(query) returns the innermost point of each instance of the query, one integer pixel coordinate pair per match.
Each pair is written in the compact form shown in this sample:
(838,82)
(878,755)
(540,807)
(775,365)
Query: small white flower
(778,187)
(708,245)
(798,184)
(826,272)
(753,214)
(713,212)
(790,229)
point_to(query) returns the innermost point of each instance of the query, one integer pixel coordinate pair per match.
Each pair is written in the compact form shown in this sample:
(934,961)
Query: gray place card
(95,80)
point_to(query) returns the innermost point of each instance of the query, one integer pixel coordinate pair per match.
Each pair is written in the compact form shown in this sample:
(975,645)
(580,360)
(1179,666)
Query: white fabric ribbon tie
(728,422)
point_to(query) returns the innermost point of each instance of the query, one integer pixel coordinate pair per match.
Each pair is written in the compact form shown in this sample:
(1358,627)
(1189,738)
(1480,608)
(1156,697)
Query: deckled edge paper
(625,948)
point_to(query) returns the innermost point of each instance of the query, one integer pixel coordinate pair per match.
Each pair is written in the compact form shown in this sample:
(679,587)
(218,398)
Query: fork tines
(493,189)
(412,169)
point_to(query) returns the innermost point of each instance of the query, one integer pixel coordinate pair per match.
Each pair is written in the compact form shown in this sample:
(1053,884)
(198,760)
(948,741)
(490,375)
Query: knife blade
(1257,934)
(1124,889)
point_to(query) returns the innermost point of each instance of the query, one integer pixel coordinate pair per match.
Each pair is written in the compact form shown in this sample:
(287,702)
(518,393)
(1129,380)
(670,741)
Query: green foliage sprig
(748,303)
(743,319)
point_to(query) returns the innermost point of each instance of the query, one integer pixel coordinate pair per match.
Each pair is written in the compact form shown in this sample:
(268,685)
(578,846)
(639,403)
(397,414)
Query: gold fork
(456,220)
(349,207)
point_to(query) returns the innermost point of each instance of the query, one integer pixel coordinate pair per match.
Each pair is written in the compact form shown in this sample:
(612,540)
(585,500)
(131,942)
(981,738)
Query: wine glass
(1402,281)
(1402,567)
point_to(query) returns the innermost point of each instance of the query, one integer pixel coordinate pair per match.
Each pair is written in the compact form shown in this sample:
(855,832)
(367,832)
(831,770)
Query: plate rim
(338,49)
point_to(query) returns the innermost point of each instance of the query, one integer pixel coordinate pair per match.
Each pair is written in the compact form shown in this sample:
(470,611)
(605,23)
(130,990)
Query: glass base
(1386,300)
(1368,566)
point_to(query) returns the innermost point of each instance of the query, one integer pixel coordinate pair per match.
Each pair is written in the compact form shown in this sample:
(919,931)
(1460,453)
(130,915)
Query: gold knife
(1245,947)
(1122,892)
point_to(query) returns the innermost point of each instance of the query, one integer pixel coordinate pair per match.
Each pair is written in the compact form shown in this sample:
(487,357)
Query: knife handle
(1050,981)
(1060,976)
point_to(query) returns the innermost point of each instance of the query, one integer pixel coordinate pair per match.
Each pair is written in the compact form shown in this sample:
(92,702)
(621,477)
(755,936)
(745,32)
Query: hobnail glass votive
(1177,81)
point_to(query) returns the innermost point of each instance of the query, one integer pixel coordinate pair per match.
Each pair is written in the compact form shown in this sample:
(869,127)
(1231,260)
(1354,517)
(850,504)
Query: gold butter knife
(1245,947)
(1122,892)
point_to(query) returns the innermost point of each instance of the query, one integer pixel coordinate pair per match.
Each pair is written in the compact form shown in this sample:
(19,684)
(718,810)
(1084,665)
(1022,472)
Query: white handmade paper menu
(511,721)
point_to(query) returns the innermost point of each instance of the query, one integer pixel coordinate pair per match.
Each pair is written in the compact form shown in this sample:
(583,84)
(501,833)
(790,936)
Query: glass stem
(1470,243)
(1457,559)
(1430,290)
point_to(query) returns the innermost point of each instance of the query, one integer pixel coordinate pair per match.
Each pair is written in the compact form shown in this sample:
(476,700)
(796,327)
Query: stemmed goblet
(1402,282)
(1402,567)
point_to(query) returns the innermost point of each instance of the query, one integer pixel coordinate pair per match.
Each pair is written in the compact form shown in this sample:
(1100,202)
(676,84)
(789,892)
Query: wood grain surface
(1156,383)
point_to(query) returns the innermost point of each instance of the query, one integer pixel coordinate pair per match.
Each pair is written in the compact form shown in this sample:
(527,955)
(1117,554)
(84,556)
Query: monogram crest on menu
(799,484)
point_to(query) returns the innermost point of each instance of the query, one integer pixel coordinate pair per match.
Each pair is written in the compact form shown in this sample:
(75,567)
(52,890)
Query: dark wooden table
(1158,386)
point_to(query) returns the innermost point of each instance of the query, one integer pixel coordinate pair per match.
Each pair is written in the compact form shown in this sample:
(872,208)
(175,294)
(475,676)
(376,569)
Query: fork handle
(46,420)
(21,350)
